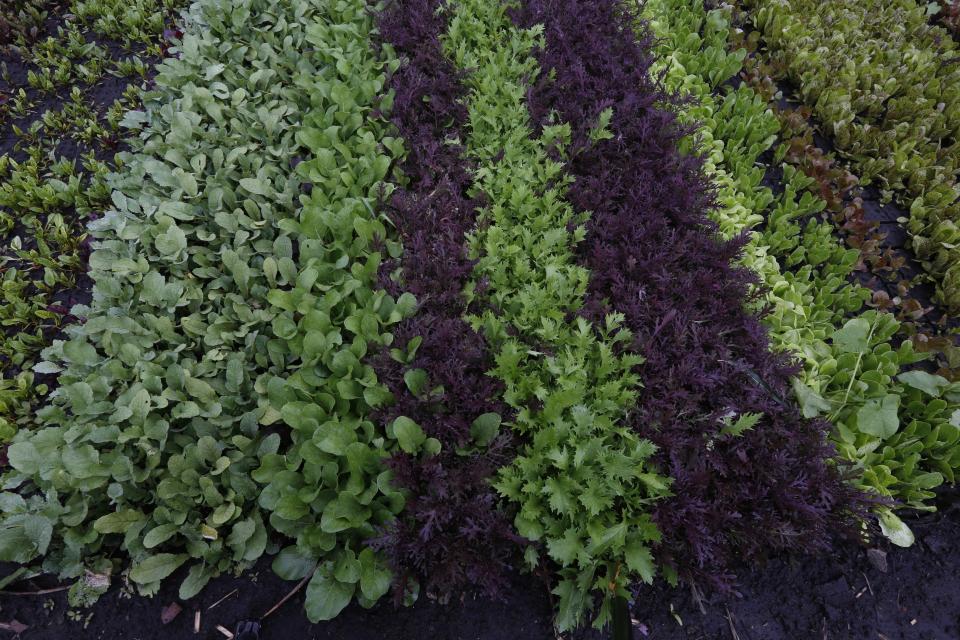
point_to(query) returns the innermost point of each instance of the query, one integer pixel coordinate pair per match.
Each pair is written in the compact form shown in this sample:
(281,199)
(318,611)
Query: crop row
(413,297)
(888,96)
(223,309)
(62,99)
(896,425)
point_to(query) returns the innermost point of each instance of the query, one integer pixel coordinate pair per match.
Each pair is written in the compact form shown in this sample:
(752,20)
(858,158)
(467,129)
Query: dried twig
(14,626)
(222,599)
(196,621)
(733,629)
(288,596)
(697,598)
(41,592)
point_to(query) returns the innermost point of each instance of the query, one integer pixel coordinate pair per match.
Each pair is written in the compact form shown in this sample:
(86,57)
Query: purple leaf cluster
(451,534)
(655,256)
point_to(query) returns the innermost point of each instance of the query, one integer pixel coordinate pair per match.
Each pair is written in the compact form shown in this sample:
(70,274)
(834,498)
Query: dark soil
(844,596)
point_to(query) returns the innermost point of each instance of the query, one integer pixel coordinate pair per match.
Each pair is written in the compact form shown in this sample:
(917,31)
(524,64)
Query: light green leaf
(23,457)
(375,578)
(159,534)
(409,434)
(895,529)
(640,560)
(416,380)
(24,537)
(256,185)
(878,417)
(119,521)
(326,597)
(171,242)
(928,383)
(195,581)
(485,428)
(853,336)
(156,568)
(812,403)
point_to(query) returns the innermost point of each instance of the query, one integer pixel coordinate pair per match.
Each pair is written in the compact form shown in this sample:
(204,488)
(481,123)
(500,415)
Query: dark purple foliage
(655,256)
(451,533)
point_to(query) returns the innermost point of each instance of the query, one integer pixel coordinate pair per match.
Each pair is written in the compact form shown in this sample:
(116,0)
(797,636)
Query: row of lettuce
(402,298)
(889,97)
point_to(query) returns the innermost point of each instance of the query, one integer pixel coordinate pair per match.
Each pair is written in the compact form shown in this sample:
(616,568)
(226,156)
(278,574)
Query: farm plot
(403,302)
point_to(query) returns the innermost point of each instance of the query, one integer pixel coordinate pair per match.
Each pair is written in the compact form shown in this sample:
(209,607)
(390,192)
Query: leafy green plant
(583,482)
(897,426)
(213,401)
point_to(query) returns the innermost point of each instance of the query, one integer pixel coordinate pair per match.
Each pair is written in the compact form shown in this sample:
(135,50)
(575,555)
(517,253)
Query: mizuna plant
(581,480)
(216,393)
(889,95)
(750,474)
(451,534)
(898,427)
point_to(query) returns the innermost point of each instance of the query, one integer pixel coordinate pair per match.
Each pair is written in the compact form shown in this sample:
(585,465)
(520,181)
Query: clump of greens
(582,481)
(889,94)
(213,400)
(62,134)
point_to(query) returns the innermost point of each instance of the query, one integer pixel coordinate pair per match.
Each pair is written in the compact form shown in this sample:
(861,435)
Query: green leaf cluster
(886,85)
(898,427)
(216,394)
(583,482)
(47,191)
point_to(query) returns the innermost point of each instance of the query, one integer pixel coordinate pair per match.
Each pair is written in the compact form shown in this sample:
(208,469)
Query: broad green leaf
(416,380)
(879,417)
(853,337)
(326,597)
(171,242)
(293,563)
(409,434)
(812,403)
(23,457)
(929,384)
(159,534)
(24,537)
(485,428)
(196,580)
(256,185)
(119,521)
(375,578)
(156,568)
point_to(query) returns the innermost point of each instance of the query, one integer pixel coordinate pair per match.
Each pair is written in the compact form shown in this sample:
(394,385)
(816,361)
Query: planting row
(898,426)
(887,94)
(228,320)
(414,297)
(63,95)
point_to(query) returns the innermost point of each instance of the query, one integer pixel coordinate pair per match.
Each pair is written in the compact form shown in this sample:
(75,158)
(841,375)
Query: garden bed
(527,316)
